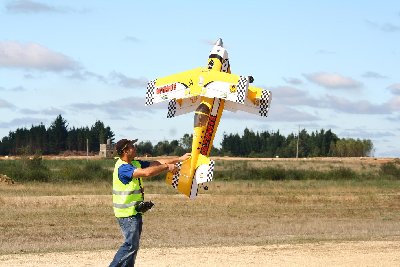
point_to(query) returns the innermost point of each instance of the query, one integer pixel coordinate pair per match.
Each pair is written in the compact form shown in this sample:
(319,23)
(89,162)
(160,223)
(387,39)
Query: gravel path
(368,253)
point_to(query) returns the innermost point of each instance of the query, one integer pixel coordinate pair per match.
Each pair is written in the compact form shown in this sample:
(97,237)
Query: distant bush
(242,172)
(82,171)
(27,169)
(342,173)
(390,169)
(37,169)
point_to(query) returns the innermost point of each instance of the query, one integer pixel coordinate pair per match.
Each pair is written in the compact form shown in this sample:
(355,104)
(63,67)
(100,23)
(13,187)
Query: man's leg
(131,228)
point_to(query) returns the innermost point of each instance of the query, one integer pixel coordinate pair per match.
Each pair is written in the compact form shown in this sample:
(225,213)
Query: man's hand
(185,157)
(172,168)
(144,206)
(171,162)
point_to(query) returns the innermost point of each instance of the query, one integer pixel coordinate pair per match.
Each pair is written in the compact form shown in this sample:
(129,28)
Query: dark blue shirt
(125,171)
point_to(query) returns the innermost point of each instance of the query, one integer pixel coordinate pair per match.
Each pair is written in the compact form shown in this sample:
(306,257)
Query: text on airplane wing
(198,82)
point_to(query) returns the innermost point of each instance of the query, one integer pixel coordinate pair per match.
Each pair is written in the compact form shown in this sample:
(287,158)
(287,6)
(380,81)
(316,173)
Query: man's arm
(158,166)
(153,170)
(170,161)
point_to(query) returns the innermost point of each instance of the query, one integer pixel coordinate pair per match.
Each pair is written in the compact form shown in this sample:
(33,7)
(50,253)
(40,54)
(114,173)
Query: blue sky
(329,64)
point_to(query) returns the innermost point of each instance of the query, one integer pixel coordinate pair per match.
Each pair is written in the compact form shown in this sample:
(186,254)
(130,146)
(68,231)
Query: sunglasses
(127,145)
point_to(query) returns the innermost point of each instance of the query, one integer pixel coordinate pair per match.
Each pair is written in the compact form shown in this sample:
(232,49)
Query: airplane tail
(187,183)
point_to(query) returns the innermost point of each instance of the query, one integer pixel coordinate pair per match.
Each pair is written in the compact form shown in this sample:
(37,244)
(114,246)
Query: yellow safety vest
(126,196)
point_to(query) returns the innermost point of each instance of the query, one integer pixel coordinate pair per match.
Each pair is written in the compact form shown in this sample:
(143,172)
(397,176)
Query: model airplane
(207,91)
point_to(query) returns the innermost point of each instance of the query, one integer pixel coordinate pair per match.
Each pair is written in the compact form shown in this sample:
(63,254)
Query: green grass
(66,205)
(43,217)
(40,170)
(45,170)
(298,170)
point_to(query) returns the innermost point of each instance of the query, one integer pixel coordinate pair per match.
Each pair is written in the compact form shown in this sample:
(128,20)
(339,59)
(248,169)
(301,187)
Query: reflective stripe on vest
(123,206)
(125,197)
(115,192)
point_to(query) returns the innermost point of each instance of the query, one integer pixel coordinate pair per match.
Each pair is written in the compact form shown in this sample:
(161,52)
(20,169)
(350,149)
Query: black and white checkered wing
(150,92)
(241,89)
(264,103)
(172,107)
(210,172)
(175,177)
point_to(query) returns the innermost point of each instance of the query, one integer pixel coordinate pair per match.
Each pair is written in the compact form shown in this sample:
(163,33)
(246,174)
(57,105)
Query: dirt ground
(365,253)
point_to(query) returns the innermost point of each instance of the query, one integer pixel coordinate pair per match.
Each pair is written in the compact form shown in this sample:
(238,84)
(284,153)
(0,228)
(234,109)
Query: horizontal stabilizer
(258,101)
(187,179)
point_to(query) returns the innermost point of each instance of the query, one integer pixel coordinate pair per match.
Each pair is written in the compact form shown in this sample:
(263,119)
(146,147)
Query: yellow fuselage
(206,120)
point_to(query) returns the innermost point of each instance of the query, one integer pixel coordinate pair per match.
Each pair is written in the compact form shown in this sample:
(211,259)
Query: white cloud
(286,91)
(388,27)
(365,133)
(293,81)
(325,52)
(333,80)
(33,56)
(394,103)
(372,74)
(385,27)
(277,113)
(287,114)
(15,89)
(132,39)
(128,82)
(18,89)
(285,98)
(5,104)
(27,6)
(395,118)
(390,152)
(395,88)
(21,122)
(124,106)
(46,111)
(84,75)
(356,107)
(292,96)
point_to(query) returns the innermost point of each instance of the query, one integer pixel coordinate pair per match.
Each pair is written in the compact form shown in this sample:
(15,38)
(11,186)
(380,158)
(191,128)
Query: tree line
(59,138)
(270,144)
(303,144)
(55,139)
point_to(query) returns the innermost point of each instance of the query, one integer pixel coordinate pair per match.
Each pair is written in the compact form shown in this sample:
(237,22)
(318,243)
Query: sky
(329,64)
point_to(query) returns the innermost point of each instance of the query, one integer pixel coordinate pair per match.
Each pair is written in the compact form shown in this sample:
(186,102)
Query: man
(128,196)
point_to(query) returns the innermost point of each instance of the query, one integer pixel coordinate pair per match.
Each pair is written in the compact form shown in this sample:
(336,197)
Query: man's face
(131,150)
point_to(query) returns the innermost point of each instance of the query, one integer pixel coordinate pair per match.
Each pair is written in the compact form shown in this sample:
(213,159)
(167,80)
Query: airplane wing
(184,91)
(175,86)
(198,82)
(257,101)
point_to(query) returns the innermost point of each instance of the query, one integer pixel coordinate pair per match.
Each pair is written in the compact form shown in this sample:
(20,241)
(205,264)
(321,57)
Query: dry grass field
(247,223)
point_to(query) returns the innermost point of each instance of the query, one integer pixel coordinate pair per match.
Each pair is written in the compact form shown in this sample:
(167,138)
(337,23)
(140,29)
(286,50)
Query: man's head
(124,144)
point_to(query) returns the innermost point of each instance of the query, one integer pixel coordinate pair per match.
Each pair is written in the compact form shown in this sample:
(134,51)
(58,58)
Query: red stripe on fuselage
(210,129)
